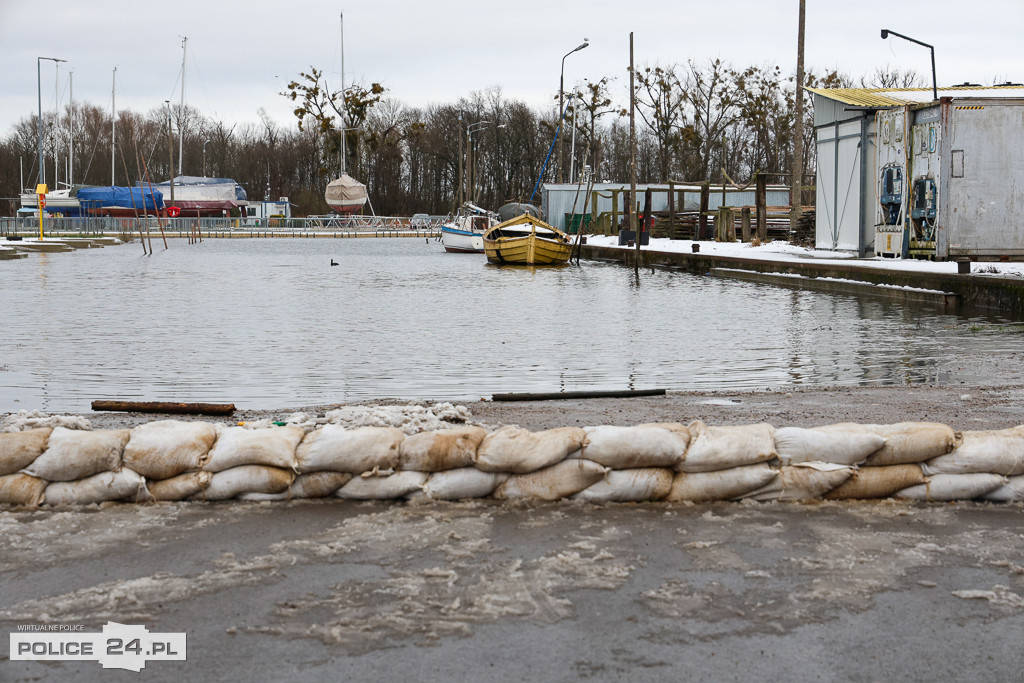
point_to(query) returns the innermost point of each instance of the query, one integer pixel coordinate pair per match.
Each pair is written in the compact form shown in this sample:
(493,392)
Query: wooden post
(761,201)
(593,209)
(615,211)
(730,225)
(745,223)
(671,210)
(702,220)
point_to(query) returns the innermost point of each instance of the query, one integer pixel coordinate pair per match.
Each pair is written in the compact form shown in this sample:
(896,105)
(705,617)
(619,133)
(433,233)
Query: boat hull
(461,241)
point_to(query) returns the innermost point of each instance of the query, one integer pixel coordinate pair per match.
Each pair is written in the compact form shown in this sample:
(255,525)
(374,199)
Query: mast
(56,121)
(181,111)
(113,120)
(344,109)
(71,128)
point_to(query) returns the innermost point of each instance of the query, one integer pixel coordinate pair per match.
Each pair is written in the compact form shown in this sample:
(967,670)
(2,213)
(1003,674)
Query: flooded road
(268,322)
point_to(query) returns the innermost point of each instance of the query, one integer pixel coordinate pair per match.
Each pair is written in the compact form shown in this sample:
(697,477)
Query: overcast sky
(240,55)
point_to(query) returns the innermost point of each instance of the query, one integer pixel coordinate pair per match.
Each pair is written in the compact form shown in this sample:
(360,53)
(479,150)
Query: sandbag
(842,444)
(334,448)
(1010,492)
(703,487)
(997,452)
(236,446)
(19,449)
(73,454)
(877,482)
(180,487)
(630,485)
(22,489)
(382,487)
(803,481)
(519,451)
(721,448)
(124,484)
(552,483)
(311,485)
(443,449)
(946,487)
(462,484)
(166,448)
(911,442)
(632,447)
(246,479)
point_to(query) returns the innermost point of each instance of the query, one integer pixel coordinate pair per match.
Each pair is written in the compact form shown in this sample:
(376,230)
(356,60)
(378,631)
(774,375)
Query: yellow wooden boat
(526,241)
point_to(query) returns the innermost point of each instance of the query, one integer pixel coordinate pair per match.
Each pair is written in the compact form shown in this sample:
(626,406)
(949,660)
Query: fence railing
(284,227)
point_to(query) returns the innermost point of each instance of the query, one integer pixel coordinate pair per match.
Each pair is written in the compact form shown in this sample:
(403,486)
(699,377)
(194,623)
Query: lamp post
(470,129)
(886,33)
(561,84)
(39,121)
(205,143)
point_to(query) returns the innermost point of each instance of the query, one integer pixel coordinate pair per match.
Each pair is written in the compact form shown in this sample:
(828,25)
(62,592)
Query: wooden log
(551,396)
(760,201)
(745,223)
(165,407)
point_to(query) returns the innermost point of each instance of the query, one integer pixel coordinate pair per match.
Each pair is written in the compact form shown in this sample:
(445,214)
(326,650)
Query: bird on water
(333,262)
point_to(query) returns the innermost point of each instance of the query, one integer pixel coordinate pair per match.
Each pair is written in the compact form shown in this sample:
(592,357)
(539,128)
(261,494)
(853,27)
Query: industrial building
(900,174)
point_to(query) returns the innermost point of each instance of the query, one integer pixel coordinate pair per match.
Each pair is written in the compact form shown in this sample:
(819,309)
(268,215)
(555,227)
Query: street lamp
(561,84)
(885,34)
(470,129)
(205,143)
(39,121)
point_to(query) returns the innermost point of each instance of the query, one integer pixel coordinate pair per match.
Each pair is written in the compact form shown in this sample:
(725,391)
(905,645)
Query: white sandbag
(517,450)
(997,452)
(721,448)
(311,485)
(1010,492)
(842,444)
(912,442)
(630,485)
(246,479)
(334,448)
(72,454)
(704,487)
(124,484)
(552,483)
(237,446)
(632,447)
(442,449)
(22,489)
(166,448)
(462,484)
(180,487)
(19,449)
(878,482)
(803,481)
(946,487)
(384,487)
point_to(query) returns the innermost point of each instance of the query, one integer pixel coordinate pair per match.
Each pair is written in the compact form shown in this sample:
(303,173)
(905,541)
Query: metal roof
(898,97)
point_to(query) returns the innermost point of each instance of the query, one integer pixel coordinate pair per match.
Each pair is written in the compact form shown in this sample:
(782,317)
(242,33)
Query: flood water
(269,323)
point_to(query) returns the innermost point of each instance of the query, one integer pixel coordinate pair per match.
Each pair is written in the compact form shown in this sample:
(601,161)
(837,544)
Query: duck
(333,262)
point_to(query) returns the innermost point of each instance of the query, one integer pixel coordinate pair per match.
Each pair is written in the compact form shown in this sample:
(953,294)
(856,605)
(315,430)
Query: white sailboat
(345,194)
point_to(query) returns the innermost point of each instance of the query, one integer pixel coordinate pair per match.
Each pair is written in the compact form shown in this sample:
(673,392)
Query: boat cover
(123,197)
(513,209)
(345,190)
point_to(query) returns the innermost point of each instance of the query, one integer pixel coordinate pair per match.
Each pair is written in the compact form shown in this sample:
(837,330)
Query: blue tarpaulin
(122,197)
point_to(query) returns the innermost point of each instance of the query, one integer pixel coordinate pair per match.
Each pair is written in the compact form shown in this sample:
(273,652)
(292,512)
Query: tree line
(698,121)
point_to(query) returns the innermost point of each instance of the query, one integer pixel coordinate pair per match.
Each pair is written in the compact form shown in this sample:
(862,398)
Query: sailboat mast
(344,109)
(56,121)
(71,128)
(113,120)
(181,111)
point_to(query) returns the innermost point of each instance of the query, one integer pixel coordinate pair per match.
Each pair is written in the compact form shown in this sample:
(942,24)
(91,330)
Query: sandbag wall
(175,460)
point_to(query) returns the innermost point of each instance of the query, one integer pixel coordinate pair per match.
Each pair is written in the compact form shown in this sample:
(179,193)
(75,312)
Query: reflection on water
(269,323)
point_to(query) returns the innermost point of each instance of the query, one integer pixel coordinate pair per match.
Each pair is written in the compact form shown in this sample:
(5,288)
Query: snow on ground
(780,250)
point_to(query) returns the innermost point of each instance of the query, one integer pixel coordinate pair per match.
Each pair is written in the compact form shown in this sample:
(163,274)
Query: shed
(900,174)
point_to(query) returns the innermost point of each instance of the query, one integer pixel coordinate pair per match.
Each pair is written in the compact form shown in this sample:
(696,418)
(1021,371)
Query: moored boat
(465,232)
(200,196)
(526,240)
